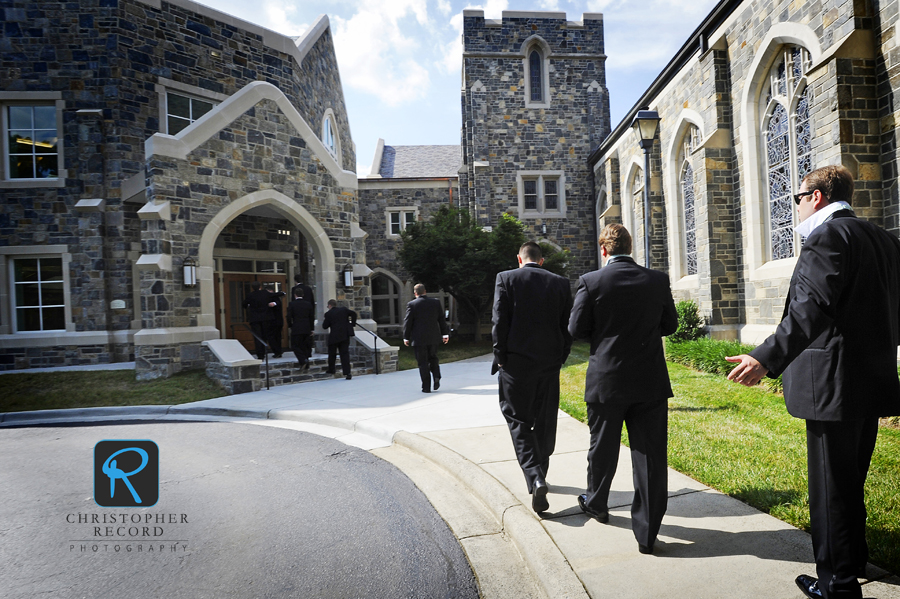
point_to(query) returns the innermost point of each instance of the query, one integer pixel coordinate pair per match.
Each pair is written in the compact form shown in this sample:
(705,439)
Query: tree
(453,253)
(556,261)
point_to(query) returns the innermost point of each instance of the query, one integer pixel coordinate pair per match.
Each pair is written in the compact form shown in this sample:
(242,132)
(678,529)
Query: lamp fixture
(189,266)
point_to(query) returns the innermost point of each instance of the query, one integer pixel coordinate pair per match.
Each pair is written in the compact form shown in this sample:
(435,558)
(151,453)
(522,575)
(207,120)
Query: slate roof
(402,162)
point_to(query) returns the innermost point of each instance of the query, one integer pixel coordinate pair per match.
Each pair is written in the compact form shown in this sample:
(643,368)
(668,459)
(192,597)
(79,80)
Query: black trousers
(530,403)
(343,348)
(426,356)
(300,347)
(259,329)
(274,330)
(838,458)
(647,424)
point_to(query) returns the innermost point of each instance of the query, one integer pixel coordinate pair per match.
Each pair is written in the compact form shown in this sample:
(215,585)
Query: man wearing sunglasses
(837,347)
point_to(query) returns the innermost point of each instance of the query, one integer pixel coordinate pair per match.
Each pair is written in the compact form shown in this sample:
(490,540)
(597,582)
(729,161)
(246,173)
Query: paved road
(244,511)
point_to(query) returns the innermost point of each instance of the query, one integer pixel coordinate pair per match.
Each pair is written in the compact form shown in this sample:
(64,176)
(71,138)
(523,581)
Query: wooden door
(236,288)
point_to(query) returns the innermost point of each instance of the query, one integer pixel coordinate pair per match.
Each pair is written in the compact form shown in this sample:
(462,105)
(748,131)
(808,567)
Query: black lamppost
(644,125)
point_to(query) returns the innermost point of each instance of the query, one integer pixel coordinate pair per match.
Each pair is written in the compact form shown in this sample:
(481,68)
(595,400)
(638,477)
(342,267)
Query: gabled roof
(419,162)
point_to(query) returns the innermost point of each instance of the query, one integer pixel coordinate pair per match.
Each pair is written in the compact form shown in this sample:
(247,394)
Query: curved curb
(549,566)
(81,414)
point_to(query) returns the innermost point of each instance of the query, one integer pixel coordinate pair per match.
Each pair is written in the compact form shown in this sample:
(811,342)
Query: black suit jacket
(257,305)
(530,314)
(340,322)
(837,341)
(301,317)
(308,294)
(424,323)
(624,310)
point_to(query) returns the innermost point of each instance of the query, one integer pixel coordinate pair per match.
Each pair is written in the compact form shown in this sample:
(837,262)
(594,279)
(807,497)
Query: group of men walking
(264,313)
(836,347)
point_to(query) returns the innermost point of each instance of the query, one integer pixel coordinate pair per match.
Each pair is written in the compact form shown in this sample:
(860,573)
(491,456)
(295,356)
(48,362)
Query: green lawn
(743,442)
(455,350)
(89,389)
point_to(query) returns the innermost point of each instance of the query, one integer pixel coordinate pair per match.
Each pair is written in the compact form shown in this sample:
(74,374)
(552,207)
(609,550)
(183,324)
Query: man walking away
(301,318)
(531,342)
(258,304)
(625,310)
(837,347)
(426,326)
(340,322)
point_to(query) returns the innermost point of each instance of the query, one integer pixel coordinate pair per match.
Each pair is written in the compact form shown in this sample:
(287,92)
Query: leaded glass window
(787,134)
(637,211)
(690,227)
(534,76)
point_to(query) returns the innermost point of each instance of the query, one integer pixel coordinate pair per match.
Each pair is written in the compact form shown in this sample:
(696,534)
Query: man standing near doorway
(625,310)
(531,342)
(258,305)
(426,326)
(340,322)
(308,294)
(837,347)
(301,318)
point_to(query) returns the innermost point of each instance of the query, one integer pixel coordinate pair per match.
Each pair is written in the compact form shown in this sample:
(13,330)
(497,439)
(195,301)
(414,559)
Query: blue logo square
(126,473)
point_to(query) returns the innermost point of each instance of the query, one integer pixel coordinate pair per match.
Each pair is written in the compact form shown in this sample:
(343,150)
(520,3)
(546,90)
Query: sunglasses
(798,196)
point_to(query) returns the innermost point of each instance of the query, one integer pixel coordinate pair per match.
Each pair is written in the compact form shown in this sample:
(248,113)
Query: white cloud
(379,51)
(451,52)
(444,7)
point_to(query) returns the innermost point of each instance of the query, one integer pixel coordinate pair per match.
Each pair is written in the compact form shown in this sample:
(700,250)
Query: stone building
(147,135)
(534,104)
(407,184)
(762,93)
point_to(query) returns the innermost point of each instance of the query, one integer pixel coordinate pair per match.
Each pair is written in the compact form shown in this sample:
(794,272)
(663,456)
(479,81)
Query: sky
(400,60)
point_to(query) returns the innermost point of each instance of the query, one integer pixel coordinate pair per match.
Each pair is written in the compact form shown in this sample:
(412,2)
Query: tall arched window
(535,77)
(637,215)
(328,134)
(788,143)
(686,187)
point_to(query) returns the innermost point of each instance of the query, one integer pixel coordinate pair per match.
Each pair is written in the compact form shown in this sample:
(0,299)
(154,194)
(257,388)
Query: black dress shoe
(539,501)
(645,549)
(329,372)
(437,384)
(809,586)
(601,517)
(426,390)
(349,376)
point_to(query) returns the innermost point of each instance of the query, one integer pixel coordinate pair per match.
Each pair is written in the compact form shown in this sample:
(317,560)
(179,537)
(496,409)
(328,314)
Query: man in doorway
(531,342)
(275,321)
(340,322)
(625,310)
(258,304)
(308,294)
(301,319)
(426,327)
(837,347)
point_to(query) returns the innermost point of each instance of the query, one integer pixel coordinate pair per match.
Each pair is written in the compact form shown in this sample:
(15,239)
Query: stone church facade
(761,94)
(149,135)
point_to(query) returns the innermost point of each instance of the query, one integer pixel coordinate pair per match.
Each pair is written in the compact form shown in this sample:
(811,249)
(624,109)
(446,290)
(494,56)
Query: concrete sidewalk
(710,545)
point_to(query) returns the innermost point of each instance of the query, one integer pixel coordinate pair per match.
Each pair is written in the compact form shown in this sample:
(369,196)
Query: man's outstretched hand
(748,371)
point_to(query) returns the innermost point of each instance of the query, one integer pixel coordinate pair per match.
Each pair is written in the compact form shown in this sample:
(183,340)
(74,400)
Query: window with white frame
(38,294)
(536,66)
(535,78)
(385,300)
(182,110)
(541,193)
(32,148)
(787,138)
(399,219)
(328,136)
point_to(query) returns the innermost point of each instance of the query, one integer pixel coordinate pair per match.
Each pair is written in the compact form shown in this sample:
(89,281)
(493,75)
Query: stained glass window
(690,227)
(788,145)
(534,74)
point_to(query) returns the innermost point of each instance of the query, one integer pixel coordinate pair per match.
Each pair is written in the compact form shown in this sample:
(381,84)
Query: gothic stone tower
(534,104)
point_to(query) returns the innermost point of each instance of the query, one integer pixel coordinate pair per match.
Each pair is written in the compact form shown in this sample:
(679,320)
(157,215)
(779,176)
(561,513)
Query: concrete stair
(285,371)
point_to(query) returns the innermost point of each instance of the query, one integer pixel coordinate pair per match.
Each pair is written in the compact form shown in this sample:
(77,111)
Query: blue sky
(400,60)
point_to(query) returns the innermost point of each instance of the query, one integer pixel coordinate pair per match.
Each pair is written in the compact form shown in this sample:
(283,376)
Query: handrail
(374,346)
(255,336)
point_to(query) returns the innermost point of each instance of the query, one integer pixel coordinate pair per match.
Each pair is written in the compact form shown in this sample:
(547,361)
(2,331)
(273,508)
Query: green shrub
(708,355)
(690,325)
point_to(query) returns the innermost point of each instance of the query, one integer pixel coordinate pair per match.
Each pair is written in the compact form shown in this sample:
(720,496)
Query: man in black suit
(301,318)
(340,322)
(425,326)
(531,342)
(258,305)
(275,321)
(625,310)
(837,347)
(308,294)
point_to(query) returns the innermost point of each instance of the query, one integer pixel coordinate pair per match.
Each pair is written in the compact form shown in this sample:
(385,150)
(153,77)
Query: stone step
(286,371)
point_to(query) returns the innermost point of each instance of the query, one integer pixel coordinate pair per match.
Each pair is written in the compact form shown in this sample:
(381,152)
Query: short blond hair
(616,239)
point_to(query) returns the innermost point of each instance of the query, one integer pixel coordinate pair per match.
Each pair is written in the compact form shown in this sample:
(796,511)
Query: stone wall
(501,135)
